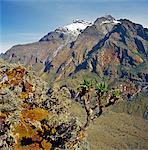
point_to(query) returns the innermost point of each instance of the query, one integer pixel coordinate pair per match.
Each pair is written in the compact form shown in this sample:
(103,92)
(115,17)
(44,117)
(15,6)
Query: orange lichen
(11,73)
(15,82)
(20,71)
(24,130)
(2,118)
(36,137)
(45,145)
(36,114)
(15,77)
(28,86)
(4,115)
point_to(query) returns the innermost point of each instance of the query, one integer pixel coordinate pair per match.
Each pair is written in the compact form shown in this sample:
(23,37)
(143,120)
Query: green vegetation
(87,83)
(102,87)
(117,93)
(95,108)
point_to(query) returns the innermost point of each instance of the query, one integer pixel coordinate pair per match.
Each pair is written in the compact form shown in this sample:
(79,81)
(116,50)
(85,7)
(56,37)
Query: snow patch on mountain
(110,21)
(75,28)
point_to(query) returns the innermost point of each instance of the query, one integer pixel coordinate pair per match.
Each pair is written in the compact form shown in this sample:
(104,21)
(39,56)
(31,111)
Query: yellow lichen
(36,114)
(3,85)
(24,130)
(53,130)
(24,95)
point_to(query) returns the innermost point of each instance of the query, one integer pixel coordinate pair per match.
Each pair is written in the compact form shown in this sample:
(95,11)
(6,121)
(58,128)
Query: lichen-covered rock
(32,117)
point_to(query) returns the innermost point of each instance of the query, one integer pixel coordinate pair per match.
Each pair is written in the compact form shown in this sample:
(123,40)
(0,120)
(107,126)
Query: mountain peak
(107,20)
(105,24)
(109,17)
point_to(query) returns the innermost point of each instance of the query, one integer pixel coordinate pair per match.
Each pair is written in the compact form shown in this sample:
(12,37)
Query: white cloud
(5,46)
(18,38)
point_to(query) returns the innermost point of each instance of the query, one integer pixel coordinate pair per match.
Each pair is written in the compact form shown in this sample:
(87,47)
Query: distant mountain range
(108,48)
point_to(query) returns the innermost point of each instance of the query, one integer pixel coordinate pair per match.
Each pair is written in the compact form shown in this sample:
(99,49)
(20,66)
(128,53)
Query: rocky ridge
(107,48)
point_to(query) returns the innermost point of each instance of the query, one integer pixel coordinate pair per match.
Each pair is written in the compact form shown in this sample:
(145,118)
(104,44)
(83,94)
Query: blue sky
(23,21)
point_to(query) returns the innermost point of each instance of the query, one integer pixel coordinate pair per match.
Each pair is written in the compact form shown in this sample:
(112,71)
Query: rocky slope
(31,116)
